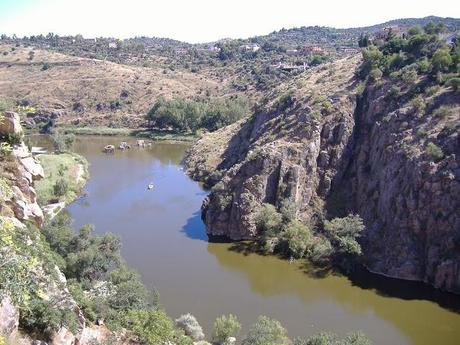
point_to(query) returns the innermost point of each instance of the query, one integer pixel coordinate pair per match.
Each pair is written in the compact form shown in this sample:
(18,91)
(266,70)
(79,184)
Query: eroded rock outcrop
(18,205)
(287,153)
(316,145)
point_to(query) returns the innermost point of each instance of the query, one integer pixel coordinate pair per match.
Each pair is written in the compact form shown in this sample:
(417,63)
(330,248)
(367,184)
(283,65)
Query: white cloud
(207,20)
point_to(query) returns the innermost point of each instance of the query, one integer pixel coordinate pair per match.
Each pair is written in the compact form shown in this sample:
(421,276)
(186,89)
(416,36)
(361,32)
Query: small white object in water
(150,186)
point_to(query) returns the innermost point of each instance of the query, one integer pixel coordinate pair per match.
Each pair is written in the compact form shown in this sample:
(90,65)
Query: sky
(197,21)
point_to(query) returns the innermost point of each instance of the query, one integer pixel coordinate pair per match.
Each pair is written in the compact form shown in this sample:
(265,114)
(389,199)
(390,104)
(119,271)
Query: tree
(434,152)
(441,60)
(267,331)
(371,59)
(298,238)
(61,187)
(344,233)
(151,326)
(62,142)
(225,327)
(269,220)
(454,83)
(364,41)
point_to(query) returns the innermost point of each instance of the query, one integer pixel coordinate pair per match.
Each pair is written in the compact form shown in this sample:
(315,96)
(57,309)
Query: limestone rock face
(23,204)
(11,124)
(364,156)
(9,318)
(410,204)
(63,337)
(286,154)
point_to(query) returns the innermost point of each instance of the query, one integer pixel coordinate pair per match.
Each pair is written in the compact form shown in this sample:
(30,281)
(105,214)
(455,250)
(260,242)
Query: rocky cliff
(26,267)
(324,146)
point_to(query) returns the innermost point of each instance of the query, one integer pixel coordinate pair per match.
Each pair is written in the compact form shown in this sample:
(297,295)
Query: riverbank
(65,176)
(147,133)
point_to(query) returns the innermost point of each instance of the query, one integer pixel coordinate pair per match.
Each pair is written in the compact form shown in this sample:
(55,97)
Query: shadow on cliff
(194,228)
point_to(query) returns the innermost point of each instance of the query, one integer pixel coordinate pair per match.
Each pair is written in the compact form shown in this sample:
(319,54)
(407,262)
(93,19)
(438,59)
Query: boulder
(32,167)
(11,124)
(63,337)
(9,318)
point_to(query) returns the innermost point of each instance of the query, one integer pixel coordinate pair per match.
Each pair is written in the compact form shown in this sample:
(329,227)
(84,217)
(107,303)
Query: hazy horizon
(201,21)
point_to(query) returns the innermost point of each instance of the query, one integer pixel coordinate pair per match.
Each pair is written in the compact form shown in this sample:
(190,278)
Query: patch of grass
(61,169)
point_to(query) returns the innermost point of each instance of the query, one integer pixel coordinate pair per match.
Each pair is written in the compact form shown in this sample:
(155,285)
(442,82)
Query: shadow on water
(194,228)
(403,289)
(366,280)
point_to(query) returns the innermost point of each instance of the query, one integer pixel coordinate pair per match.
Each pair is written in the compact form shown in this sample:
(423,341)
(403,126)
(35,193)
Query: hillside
(374,137)
(82,91)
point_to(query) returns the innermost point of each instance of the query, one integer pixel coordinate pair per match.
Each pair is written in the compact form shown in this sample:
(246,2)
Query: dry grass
(70,80)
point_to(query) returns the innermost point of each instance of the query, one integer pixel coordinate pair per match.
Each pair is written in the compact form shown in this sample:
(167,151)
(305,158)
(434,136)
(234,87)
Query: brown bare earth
(84,91)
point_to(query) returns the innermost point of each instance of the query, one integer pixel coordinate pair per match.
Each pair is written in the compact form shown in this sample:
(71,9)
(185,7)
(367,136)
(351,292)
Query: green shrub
(454,83)
(298,238)
(434,152)
(266,331)
(409,76)
(441,60)
(344,232)
(61,187)
(269,220)
(375,74)
(421,132)
(225,326)
(442,112)
(44,318)
(418,105)
(432,90)
(150,326)
(321,251)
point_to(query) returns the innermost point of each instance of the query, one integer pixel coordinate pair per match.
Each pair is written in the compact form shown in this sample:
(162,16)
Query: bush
(418,105)
(129,293)
(225,327)
(61,187)
(442,112)
(150,326)
(434,152)
(62,142)
(454,83)
(44,318)
(269,220)
(344,232)
(441,60)
(189,324)
(375,74)
(321,251)
(298,238)
(266,331)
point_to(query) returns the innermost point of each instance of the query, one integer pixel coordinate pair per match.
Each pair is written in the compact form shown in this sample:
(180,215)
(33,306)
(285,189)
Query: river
(164,239)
